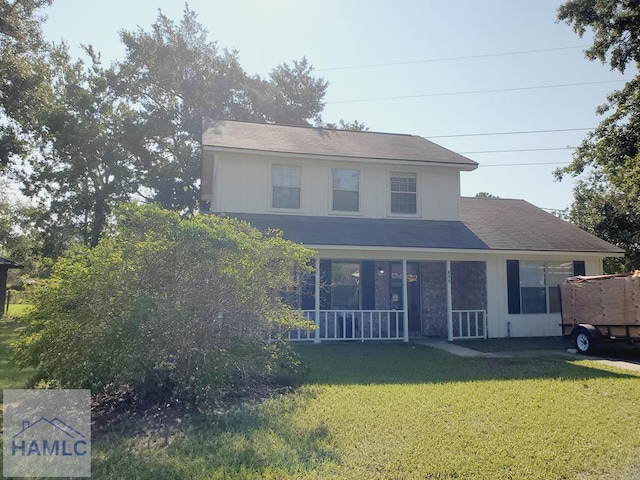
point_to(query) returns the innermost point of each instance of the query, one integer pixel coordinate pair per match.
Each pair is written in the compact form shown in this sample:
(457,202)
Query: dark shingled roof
(504,224)
(486,224)
(368,232)
(327,142)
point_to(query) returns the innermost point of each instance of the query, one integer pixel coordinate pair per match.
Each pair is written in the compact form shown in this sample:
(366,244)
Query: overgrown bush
(164,305)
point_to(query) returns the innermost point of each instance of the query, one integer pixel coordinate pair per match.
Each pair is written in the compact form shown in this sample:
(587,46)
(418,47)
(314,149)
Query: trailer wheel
(585,343)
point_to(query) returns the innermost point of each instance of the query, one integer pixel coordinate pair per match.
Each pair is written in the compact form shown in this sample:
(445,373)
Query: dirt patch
(127,414)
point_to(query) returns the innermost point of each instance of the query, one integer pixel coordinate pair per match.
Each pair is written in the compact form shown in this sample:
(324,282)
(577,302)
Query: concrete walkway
(627,365)
(443,344)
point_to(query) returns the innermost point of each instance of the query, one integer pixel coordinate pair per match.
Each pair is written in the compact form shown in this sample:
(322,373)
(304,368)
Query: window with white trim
(345,285)
(404,194)
(285,181)
(346,190)
(533,286)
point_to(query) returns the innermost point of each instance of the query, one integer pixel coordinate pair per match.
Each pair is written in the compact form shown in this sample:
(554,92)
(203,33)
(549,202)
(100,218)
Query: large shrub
(164,304)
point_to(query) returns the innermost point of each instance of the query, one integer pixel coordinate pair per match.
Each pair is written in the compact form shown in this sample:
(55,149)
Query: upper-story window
(285,181)
(403,193)
(346,190)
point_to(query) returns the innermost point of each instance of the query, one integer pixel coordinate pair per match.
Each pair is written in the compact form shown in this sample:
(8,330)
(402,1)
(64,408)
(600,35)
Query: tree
(485,195)
(606,202)
(85,168)
(92,137)
(176,76)
(187,307)
(354,126)
(601,209)
(25,71)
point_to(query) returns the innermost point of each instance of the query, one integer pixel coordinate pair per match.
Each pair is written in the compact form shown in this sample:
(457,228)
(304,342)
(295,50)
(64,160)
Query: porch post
(317,299)
(405,302)
(449,303)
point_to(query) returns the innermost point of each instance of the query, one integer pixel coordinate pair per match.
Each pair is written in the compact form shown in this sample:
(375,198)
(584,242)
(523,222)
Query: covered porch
(374,300)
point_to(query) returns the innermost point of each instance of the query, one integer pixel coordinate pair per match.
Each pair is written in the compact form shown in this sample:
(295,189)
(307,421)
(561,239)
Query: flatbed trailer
(599,309)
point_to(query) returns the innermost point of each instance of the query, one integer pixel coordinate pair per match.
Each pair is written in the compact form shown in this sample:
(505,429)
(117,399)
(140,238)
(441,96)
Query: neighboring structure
(5,265)
(400,253)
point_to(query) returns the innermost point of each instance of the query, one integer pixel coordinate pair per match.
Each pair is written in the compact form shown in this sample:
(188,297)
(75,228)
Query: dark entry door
(413,293)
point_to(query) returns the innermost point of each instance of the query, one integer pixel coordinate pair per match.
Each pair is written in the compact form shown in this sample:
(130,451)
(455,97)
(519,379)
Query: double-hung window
(345,286)
(346,190)
(285,180)
(532,287)
(404,193)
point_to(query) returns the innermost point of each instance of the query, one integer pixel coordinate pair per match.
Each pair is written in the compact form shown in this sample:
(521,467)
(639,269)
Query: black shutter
(513,285)
(325,285)
(368,282)
(308,289)
(579,268)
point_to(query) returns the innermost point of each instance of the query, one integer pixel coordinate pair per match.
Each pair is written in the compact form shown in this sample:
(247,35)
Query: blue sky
(372,52)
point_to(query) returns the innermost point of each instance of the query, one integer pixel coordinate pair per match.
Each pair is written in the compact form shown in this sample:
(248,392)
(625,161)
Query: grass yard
(17,309)
(398,411)
(403,412)
(10,324)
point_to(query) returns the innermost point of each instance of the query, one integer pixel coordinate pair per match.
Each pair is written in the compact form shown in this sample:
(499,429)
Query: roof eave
(476,251)
(459,166)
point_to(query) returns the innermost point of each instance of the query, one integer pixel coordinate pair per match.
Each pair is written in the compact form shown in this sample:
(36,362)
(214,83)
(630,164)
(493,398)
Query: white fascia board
(458,166)
(416,250)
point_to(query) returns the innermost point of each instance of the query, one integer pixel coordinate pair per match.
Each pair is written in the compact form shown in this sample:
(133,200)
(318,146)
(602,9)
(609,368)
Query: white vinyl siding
(243,184)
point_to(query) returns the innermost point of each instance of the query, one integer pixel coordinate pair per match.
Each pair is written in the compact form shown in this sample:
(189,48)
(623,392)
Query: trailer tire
(585,342)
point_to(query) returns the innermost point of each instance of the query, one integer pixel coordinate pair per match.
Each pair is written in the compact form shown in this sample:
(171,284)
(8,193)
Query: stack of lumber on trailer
(602,300)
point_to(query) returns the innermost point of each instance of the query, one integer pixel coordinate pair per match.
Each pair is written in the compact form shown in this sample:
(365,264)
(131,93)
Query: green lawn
(10,325)
(402,411)
(398,411)
(17,309)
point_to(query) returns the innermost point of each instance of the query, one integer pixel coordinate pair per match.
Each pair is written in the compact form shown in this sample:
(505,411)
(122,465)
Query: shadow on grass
(266,440)
(514,344)
(360,364)
(614,350)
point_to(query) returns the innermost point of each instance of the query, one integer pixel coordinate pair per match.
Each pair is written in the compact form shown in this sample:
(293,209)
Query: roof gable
(343,144)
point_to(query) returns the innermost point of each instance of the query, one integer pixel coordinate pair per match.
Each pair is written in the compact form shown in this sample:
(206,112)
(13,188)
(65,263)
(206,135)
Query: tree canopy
(27,68)
(607,198)
(485,195)
(81,137)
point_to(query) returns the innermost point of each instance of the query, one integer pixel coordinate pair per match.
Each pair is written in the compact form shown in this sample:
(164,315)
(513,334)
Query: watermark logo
(47,433)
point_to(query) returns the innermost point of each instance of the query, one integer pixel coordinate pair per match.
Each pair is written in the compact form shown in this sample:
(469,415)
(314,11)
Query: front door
(413,293)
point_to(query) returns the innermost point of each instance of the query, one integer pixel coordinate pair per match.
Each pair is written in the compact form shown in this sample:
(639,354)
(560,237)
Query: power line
(447,59)
(509,133)
(470,92)
(519,150)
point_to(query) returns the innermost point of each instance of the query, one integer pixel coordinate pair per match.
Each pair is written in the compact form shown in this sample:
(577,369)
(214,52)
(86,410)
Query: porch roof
(506,224)
(368,232)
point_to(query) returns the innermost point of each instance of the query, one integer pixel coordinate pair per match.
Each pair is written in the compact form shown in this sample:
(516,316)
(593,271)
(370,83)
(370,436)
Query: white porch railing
(469,324)
(362,325)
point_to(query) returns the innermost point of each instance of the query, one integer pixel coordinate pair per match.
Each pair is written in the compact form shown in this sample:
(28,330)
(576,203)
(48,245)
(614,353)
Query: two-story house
(399,251)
